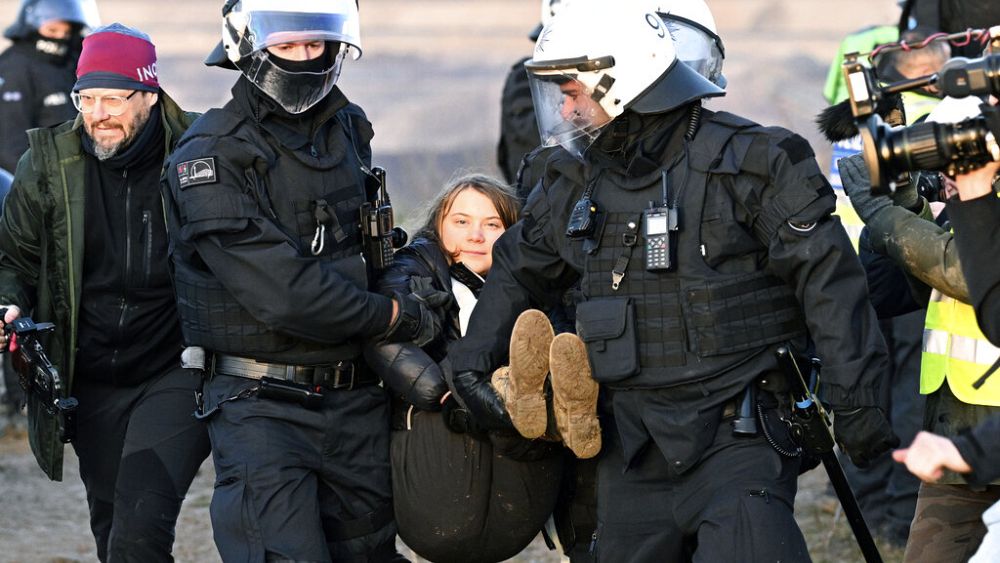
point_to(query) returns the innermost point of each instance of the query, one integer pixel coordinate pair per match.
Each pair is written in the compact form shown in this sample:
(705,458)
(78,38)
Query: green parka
(41,251)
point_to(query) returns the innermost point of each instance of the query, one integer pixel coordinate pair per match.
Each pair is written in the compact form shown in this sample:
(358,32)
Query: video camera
(39,378)
(955,148)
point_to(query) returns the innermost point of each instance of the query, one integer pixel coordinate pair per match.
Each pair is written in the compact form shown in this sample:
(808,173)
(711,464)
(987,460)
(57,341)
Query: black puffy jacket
(411,373)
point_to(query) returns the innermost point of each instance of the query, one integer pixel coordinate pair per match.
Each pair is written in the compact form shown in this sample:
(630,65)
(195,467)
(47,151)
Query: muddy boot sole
(574,396)
(529,365)
(500,380)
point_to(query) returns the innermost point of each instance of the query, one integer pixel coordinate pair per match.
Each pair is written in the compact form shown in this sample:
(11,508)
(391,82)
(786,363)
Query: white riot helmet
(549,9)
(249,27)
(596,59)
(696,38)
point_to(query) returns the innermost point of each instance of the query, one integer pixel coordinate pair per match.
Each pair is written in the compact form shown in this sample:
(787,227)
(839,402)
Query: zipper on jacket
(123,300)
(147,249)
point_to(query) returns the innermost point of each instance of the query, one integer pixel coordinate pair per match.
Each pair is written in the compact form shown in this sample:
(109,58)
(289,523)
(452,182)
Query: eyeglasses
(113,105)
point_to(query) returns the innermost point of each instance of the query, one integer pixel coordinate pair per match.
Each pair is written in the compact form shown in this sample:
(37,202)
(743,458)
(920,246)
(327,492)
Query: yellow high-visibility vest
(956,350)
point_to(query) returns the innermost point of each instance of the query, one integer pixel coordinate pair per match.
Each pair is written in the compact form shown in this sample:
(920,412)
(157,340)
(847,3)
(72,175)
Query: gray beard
(103,154)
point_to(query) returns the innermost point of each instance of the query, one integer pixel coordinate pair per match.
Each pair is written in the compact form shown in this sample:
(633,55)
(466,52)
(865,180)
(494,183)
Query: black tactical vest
(297,193)
(665,328)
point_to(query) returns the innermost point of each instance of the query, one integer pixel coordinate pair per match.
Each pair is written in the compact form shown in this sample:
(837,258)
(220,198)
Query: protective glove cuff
(406,325)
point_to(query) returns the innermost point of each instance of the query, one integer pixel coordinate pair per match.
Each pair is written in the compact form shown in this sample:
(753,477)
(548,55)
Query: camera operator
(946,526)
(975,216)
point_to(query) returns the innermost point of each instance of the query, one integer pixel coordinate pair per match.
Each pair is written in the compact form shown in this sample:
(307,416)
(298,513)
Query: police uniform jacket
(34,92)
(264,222)
(760,261)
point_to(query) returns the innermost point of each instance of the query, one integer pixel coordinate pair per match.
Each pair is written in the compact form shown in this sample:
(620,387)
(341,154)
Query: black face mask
(317,65)
(54,50)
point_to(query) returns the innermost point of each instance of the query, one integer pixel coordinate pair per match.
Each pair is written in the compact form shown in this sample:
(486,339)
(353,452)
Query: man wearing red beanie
(83,244)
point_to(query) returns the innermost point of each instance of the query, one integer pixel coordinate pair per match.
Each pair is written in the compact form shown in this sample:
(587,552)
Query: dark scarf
(145,149)
(636,144)
(293,130)
(57,52)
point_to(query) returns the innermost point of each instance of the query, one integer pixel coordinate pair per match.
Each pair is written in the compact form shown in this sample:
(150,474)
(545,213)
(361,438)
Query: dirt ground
(430,80)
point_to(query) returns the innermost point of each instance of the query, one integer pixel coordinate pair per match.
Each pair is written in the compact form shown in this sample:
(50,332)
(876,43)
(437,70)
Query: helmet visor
(696,47)
(267,28)
(81,12)
(566,109)
(296,92)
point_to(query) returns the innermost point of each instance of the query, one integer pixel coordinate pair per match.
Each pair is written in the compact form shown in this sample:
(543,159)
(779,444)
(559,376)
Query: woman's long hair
(500,194)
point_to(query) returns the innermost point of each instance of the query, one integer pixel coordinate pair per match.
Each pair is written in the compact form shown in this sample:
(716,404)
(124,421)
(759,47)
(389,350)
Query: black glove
(459,420)
(863,433)
(482,401)
(418,320)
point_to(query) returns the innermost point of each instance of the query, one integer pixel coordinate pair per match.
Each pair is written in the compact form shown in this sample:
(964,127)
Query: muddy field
(430,81)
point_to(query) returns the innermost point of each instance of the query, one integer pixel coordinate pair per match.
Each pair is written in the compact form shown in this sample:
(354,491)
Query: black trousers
(294,484)
(460,499)
(139,448)
(735,505)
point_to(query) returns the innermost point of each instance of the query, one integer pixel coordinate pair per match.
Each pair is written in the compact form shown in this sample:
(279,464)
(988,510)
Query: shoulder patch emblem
(798,149)
(195,172)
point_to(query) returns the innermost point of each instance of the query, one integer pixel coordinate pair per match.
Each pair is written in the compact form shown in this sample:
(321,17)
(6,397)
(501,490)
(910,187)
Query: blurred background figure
(38,70)
(518,128)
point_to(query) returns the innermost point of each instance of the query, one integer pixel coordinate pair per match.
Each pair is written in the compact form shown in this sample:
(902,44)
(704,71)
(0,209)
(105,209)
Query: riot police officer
(264,197)
(38,71)
(702,242)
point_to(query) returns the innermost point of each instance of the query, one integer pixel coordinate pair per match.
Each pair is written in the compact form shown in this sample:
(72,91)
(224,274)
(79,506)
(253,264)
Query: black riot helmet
(33,13)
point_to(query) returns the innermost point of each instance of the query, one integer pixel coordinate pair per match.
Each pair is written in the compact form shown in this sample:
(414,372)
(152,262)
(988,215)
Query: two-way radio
(379,233)
(659,222)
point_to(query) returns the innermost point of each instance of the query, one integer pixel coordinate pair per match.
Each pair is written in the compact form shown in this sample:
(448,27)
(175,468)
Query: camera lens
(915,148)
(933,146)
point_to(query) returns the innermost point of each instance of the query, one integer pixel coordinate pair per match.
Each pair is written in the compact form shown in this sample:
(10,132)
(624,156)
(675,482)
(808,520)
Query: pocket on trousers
(607,327)
(234,519)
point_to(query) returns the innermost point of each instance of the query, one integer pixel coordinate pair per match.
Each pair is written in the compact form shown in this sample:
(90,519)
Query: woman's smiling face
(469,230)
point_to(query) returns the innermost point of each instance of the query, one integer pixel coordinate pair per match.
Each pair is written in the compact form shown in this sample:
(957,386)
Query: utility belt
(302,385)
(764,408)
(343,375)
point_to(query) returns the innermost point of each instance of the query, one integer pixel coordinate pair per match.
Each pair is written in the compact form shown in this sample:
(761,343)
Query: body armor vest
(316,205)
(665,328)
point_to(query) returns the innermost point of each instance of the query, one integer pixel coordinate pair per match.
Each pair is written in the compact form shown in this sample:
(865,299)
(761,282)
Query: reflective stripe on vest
(955,349)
